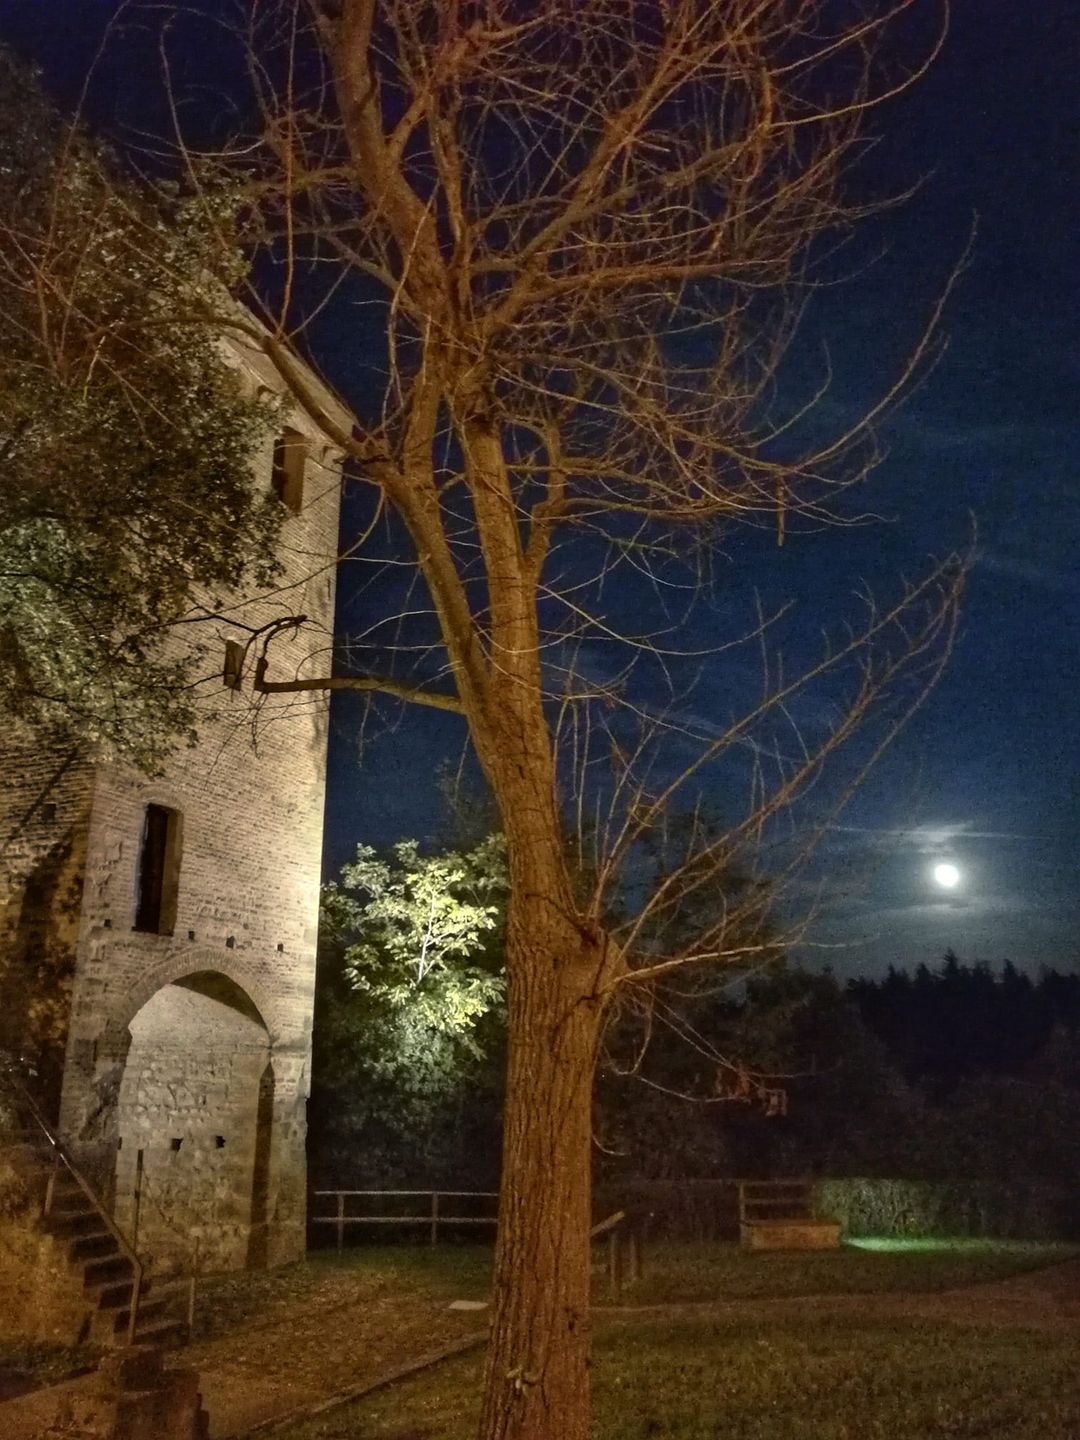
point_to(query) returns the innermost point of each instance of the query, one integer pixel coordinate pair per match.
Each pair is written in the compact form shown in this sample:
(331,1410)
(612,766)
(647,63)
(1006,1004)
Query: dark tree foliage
(945,1026)
(1000,1127)
(779,1078)
(126,499)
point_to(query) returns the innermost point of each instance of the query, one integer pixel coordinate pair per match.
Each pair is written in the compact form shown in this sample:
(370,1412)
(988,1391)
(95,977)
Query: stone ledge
(790,1234)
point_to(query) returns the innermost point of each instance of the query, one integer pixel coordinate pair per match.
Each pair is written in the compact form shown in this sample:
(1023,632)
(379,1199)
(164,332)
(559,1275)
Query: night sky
(988,775)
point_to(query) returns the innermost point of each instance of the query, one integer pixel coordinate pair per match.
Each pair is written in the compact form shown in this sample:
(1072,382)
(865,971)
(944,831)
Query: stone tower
(160,932)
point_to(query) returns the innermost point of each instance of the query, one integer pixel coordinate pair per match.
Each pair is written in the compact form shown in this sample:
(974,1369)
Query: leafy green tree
(409,1021)
(125,442)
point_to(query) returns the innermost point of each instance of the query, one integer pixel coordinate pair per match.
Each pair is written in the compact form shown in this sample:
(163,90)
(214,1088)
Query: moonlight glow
(947,876)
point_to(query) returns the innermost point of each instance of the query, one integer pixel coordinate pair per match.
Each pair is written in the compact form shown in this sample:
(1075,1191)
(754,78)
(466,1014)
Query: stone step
(106,1270)
(72,1202)
(113,1294)
(161,1332)
(95,1244)
(28,1137)
(70,1199)
(65,1182)
(153,1309)
(70,1224)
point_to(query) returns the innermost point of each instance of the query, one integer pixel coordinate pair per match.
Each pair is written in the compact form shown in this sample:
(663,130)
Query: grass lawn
(673,1274)
(697,1273)
(791,1379)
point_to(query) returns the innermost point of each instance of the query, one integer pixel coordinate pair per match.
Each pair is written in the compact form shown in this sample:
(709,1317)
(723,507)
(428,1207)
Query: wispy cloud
(941,435)
(1048,576)
(930,838)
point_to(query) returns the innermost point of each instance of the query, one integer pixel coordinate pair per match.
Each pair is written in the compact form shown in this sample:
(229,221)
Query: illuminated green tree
(410,1019)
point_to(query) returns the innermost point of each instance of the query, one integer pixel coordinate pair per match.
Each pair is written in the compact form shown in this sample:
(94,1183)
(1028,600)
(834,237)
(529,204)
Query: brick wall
(45,799)
(148,1062)
(196,1147)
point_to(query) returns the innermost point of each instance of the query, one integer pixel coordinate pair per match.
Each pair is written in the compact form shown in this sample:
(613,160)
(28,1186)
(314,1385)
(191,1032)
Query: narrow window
(234,664)
(159,870)
(287,472)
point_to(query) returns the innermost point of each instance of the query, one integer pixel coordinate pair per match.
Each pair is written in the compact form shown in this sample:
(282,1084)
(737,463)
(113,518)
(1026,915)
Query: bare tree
(581,233)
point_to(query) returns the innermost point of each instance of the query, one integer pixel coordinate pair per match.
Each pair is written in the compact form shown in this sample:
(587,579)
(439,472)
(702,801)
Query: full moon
(948,876)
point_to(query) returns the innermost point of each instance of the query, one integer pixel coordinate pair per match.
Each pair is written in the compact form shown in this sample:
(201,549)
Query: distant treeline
(943,1026)
(961,1073)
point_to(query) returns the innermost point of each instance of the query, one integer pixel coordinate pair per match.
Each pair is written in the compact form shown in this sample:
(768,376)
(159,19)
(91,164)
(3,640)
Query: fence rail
(739,1200)
(434,1216)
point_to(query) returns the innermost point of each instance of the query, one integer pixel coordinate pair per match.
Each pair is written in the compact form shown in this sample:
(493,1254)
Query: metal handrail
(61,1157)
(143,1188)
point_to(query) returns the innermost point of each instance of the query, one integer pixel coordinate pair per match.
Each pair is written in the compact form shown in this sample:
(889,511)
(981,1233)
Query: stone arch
(194,1122)
(173,969)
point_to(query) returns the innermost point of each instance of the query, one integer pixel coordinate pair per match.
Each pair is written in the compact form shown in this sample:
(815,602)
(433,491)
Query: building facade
(157,935)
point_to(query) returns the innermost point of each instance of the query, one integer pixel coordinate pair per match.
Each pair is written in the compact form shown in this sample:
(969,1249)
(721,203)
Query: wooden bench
(779,1215)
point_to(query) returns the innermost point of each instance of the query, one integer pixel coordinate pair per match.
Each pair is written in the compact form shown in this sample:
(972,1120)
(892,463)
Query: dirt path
(342,1338)
(268,1369)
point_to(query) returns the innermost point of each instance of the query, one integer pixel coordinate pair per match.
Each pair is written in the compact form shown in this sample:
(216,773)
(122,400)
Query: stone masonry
(174,1032)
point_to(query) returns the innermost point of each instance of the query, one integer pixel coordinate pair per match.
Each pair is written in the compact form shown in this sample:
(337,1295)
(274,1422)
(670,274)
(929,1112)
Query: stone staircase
(107,1276)
(91,1258)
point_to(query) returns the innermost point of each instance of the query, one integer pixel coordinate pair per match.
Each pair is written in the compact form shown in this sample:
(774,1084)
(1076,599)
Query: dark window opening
(48,812)
(175,1143)
(233,674)
(219,1142)
(287,471)
(159,871)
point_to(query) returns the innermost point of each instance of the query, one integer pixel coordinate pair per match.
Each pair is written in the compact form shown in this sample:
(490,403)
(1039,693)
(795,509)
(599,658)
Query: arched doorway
(195,1113)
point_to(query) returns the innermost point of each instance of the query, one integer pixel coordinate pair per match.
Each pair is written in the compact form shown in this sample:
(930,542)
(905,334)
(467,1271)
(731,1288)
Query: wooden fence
(705,1211)
(432,1215)
(702,1210)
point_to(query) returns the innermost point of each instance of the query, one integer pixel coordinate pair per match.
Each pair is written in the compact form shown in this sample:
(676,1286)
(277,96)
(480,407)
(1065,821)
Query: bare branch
(414,694)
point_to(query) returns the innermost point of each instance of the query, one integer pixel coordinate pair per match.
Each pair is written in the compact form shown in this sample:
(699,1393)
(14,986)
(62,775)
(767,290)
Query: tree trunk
(537,1384)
